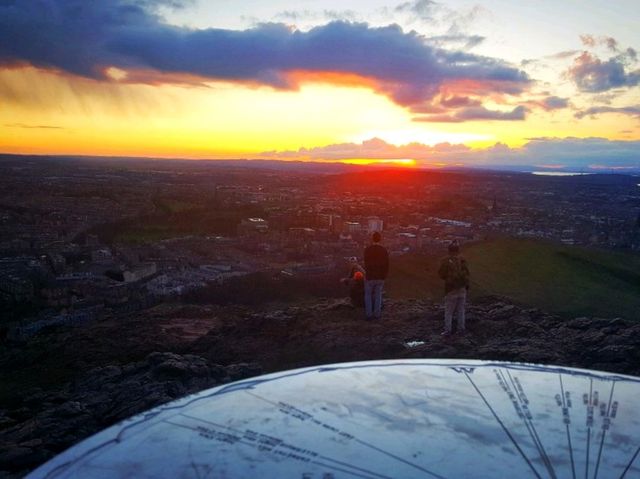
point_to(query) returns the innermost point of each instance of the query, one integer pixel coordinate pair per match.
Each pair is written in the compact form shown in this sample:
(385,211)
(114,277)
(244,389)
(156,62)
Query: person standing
(376,265)
(455,273)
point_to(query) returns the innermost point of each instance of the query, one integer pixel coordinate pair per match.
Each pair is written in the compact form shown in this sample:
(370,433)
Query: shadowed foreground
(70,383)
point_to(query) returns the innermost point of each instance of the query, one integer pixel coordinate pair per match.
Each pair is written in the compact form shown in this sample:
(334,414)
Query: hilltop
(566,280)
(67,384)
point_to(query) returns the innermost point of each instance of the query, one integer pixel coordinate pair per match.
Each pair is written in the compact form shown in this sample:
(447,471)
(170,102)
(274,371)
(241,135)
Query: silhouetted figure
(455,273)
(376,265)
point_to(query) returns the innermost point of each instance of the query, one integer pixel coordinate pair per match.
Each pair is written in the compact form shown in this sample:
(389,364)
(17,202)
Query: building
(139,272)
(351,227)
(102,256)
(251,226)
(374,224)
(16,288)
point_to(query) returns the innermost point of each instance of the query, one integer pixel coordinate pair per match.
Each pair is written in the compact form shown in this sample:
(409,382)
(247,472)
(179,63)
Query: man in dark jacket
(376,265)
(455,273)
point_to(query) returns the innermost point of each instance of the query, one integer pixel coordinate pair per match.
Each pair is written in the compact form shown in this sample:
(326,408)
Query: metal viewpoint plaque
(380,420)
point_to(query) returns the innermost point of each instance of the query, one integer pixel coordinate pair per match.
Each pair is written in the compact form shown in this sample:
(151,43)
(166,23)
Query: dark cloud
(553,103)
(591,41)
(467,42)
(548,102)
(68,35)
(611,43)
(588,40)
(475,113)
(606,98)
(424,9)
(461,20)
(84,37)
(633,110)
(430,108)
(563,54)
(481,113)
(306,15)
(459,101)
(172,4)
(593,75)
(23,125)
(456,22)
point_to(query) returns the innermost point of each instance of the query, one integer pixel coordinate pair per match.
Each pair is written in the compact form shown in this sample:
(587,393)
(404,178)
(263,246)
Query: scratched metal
(380,420)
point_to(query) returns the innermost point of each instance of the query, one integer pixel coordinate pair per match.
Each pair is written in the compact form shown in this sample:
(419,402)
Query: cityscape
(84,238)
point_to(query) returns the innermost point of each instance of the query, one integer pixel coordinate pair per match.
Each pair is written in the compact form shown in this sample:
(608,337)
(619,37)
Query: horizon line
(375,163)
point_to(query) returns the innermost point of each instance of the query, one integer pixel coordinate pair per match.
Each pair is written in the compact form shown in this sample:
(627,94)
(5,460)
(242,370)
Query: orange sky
(142,112)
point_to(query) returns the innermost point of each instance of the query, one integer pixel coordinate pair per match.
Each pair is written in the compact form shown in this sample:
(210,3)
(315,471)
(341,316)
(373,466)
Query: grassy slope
(570,281)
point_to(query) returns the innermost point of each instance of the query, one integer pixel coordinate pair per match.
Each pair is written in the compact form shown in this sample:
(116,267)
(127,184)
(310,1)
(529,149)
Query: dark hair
(376,237)
(454,247)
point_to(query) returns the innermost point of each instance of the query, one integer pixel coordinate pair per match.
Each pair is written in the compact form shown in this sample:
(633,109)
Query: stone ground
(67,384)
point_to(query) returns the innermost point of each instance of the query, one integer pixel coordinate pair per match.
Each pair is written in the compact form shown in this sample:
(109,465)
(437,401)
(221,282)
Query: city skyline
(417,82)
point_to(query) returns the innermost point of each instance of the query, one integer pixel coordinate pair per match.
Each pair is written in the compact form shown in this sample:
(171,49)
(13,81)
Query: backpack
(457,273)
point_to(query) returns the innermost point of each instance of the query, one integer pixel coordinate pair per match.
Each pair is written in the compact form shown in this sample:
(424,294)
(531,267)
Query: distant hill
(570,281)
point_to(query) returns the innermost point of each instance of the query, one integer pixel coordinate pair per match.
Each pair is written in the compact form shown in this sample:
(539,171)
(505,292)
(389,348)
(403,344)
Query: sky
(419,82)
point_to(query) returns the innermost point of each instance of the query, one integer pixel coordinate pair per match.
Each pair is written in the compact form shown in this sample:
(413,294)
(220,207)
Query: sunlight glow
(376,161)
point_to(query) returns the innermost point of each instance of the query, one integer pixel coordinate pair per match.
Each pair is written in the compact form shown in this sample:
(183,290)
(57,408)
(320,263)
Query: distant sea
(558,173)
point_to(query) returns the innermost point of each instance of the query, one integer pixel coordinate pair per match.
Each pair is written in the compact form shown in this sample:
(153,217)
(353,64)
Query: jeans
(454,303)
(373,297)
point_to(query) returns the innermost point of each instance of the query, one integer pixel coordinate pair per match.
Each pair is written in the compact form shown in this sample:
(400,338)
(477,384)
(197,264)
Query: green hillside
(570,281)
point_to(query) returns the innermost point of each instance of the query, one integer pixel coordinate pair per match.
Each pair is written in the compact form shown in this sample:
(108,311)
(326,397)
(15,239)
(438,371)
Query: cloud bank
(593,75)
(476,113)
(570,153)
(87,37)
(632,110)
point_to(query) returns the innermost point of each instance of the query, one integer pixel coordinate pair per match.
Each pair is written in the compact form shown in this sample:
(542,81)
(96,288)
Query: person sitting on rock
(355,281)
(356,289)
(455,273)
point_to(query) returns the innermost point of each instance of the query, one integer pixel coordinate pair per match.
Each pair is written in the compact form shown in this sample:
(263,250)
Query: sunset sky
(491,82)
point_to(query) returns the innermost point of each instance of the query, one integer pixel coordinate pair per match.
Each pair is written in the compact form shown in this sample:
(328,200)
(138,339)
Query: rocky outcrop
(50,422)
(502,331)
(112,370)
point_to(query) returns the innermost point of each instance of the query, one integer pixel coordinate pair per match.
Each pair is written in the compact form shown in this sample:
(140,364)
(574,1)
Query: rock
(22,413)
(249,342)
(338,305)
(5,420)
(615,325)
(171,368)
(243,371)
(538,356)
(501,312)
(17,457)
(617,353)
(628,336)
(591,337)
(579,323)
(71,408)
